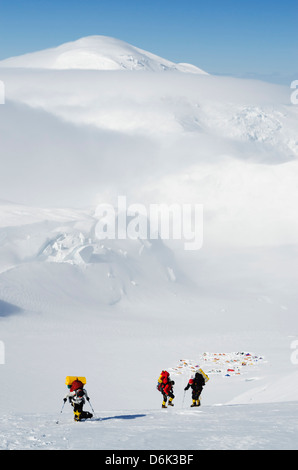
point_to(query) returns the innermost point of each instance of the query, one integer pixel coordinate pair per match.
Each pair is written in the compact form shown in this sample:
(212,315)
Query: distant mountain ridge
(97,53)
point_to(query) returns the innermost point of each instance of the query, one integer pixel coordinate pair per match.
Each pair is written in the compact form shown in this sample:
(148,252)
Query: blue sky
(221,36)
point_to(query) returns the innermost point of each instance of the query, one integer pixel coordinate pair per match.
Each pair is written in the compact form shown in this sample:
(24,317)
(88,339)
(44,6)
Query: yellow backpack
(70,379)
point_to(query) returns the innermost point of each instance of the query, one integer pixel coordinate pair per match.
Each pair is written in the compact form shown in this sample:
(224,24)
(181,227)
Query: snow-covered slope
(41,248)
(97,53)
(270,427)
(198,133)
(120,311)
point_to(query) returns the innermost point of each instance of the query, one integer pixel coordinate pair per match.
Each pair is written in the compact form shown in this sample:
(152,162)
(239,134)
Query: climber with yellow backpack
(77,396)
(197,383)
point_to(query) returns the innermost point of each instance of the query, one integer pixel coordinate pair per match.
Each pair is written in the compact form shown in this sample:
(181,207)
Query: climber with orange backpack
(76,396)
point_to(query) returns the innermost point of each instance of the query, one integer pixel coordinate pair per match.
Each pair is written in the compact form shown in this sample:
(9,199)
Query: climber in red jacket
(165,386)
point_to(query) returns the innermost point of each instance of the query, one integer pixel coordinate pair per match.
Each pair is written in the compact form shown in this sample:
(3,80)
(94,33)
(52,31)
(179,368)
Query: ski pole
(91,407)
(183,399)
(57,422)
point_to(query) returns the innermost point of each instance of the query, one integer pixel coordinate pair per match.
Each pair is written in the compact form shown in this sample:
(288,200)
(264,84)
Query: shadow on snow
(120,417)
(7,309)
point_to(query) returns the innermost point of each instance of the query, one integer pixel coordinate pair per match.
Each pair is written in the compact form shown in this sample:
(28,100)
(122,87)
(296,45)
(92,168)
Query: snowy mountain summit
(97,53)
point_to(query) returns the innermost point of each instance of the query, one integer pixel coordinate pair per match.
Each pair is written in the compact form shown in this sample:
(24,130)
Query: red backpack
(76,385)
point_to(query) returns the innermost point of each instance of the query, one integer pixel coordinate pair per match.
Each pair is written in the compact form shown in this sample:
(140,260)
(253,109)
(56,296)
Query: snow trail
(239,427)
